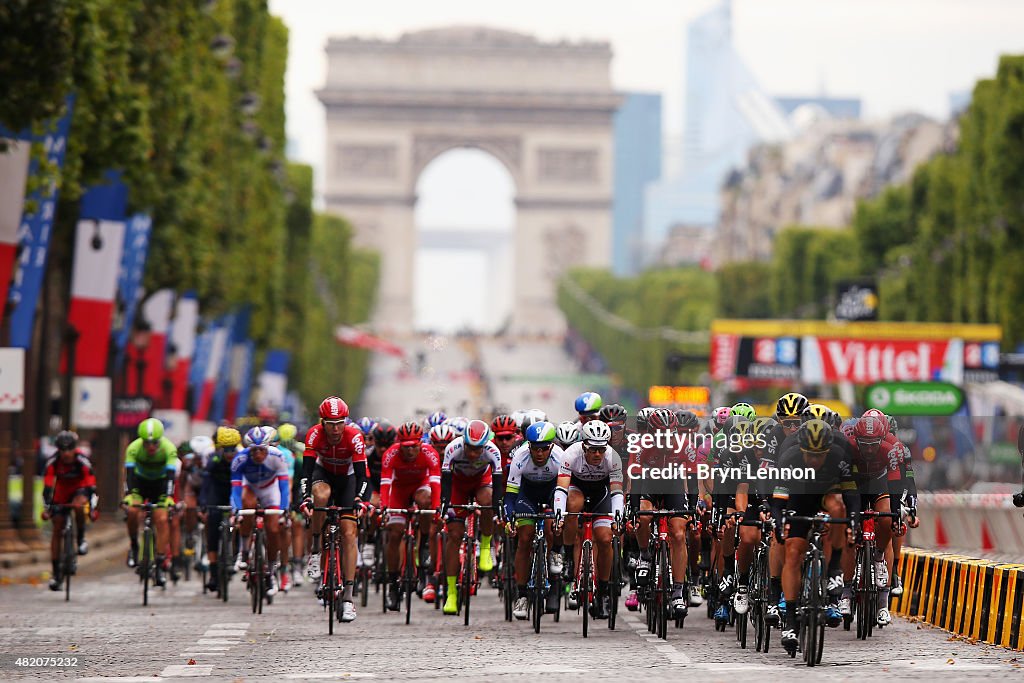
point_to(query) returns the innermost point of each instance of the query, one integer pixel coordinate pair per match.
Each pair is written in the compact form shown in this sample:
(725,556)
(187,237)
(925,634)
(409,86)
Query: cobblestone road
(115,638)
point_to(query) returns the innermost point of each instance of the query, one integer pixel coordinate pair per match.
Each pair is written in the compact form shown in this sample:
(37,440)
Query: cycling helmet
(287,432)
(815,436)
(441,434)
(436,418)
(596,433)
(517,417)
(893,424)
(259,437)
(458,424)
(790,405)
(719,415)
(732,425)
(201,445)
(687,420)
(366,425)
(409,434)
(540,432)
(764,425)
(503,424)
(871,429)
(815,411)
(227,437)
(67,440)
(588,403)
(333,408)
(662,418)
(529,419)
(477,433)
(567,433)
(274,437)
(537,414)
(744,410)
(184,451)
(847,426)
(612,412)
(642,416)
(383,435)
(151,429)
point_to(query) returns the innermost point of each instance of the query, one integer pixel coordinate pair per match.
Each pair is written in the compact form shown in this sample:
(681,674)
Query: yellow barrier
(978,599)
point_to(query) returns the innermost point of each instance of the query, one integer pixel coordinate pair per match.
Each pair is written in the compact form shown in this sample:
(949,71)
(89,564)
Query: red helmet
(876,412)
(503,424)
(871,428)
(477,433)
(333,408)
(662,418)
(410,434)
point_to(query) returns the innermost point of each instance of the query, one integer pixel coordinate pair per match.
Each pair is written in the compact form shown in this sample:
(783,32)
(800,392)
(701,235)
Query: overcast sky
(897,55)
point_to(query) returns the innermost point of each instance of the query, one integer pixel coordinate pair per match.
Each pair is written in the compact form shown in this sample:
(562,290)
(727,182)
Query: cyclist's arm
(615,485)
(434,477)
(49,481)
(129,467)
(236,482)
(283,484)
(387,474)
(562,492)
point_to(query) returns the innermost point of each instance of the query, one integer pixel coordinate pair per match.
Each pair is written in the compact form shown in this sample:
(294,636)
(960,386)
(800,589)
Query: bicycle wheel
(741,629)
(863,579)
(614,581)
(466,574)
(586,594)
(223,557)
(664,590)
(409,575)
(508,580)
(327,587)
(69,553)
(539,580)
(147,562)
(253,579)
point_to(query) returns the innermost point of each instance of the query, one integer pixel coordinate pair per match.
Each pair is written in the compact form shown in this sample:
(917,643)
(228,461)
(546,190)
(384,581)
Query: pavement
(109,636)
(106,539)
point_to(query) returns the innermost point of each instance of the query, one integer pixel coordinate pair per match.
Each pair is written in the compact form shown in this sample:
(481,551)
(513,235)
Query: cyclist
(695,450)
(566,434)
(67,480)
(590,480)
(728,451)
(193,457)
(668,494)
(334,472)
(588,406)
(151,463)
(285,525)
(615,416)
(259,478)
(506,438)
(471,470)
(216,491)
(531,485)
(832,490)
(905,491)
(410,474)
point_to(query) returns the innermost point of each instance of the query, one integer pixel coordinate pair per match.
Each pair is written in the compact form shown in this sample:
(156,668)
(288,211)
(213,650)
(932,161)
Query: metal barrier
(966,522)
(978,599)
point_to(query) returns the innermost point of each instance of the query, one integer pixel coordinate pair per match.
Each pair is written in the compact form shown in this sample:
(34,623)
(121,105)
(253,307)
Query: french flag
(13,180)
(214,361)
(183,340)
(99,241)
(156,311)
(273,381)
(238,387)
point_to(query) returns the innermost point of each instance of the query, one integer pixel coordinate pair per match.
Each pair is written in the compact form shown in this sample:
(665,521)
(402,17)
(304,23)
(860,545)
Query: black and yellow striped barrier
(978,599)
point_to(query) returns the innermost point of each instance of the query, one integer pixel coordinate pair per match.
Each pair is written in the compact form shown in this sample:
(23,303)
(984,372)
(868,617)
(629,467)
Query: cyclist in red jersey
(334,473)
(68,480)
(410,473)
(506,438)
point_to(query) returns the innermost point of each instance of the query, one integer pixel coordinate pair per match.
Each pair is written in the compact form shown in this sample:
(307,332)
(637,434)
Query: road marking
(212,633)
(202,654)
(121,679)
(187,670)
(244,625)
(219,641)
(339,674)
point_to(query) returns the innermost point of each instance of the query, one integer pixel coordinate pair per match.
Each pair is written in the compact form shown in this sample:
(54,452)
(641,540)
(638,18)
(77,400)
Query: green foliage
(744,290)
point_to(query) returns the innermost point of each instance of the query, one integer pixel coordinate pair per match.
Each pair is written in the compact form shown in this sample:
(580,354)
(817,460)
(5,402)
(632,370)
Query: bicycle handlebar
(249,512)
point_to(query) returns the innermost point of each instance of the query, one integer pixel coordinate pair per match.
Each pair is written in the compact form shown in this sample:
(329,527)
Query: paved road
(117,639)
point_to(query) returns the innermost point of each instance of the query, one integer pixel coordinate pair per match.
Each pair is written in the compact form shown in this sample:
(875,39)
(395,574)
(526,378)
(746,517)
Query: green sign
(914,398)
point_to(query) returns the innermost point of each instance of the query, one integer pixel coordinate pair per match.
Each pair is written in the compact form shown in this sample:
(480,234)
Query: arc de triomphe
(543,109)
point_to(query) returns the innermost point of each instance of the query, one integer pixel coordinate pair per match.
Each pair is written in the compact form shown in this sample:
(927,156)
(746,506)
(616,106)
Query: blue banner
(34,233)
(238,324)
(200,359)
(129,280)
(249,349)
(277,361)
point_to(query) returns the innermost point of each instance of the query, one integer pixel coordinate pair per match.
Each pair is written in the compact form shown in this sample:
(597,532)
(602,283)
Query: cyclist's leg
(484,496)
(525,531)
(574,503)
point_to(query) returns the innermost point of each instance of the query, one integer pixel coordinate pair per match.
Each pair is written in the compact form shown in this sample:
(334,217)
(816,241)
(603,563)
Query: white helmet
(517,417)
(596,433)
(567,433)
(458,424)
(537,414)
(201,445)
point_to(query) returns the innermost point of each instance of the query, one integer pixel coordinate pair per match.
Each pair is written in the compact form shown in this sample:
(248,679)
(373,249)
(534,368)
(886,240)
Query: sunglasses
(791,423)
(541,446)
(333,422)
(504,437)
(594,449)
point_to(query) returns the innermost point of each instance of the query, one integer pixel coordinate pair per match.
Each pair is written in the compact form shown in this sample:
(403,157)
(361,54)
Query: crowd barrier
(977,599)
(966,522)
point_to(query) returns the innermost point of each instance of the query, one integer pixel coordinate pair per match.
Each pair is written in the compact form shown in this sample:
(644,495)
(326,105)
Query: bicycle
(813,587)
(68,550)
(331,581)
(658,593)
(585,582)
(255,576)
(225,549)
(147,563)
(507,586)
(865,607)
(468,581)
(408,567)
(759,586)
(540,583)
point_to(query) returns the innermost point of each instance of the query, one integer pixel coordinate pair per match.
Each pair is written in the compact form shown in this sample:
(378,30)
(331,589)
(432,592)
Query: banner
(156,311)
(273,381)
(863,361)
(217,347)
(14,165)
(768,358)
(91,402)
(12,380)
(724,351)
(129,277)
(238,332)
(351,336)
(857,301)
(981,362)
(99,241)
(129,411)
(240,379)
(34,233)
(183,340)
(915,398)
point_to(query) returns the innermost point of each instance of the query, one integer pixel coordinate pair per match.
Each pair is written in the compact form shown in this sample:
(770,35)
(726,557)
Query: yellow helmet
(790,405)
(815,411)
(815,436)
(287,432)
(227,437)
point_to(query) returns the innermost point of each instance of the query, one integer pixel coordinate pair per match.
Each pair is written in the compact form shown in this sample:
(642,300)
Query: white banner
(90,402)
(177,425)
(12,380)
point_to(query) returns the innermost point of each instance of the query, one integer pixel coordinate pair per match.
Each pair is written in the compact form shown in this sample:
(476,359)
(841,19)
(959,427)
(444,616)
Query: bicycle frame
(255,574)
(468,581)
(407,560)
(331,580)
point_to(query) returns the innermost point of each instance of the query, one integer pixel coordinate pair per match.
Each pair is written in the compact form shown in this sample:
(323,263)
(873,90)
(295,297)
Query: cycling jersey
(260,477)
(575,465)
(457,461)
(338,458)
(62,481)
(883,464)
(527,478)
(398,475)
(161,464)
